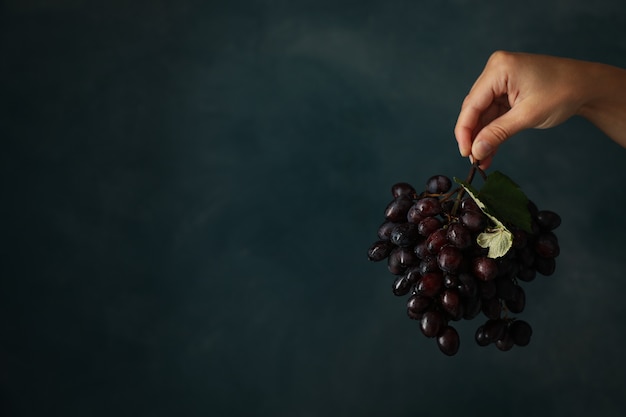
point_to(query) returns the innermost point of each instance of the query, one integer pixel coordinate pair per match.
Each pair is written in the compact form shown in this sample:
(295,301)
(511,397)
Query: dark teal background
(189,189)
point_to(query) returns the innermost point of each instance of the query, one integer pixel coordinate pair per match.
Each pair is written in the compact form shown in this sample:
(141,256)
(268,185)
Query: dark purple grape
(401,286)
(447,206)
(451,304)
(494,329)
(384,230)
(486,289)
(468,204)
(506,342)
(459,236)
(414,215)
(505,288)
(449,341)
(480,336)
(379,250)
(404,234)
(467,286)
(438,184)
(417,304)
(449,258)
(472,307)
(518,302)
(403,189)
(491,308)
(413,274)
(547,245)
(397,210)
(432,323)
(548,220)
(526,274)
(428,264)
(526,256)
(450,281)
(485,268)
(436,240)
(428,225)
(475,221)
(545,266)
(431,284)
(520,332)
(400,259)
(428,206)
(421,250)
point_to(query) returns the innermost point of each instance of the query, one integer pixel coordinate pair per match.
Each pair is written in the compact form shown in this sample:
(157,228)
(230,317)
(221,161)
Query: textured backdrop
(189,189)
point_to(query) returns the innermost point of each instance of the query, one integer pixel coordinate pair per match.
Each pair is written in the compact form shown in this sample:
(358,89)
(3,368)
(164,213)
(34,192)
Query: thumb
(497,132)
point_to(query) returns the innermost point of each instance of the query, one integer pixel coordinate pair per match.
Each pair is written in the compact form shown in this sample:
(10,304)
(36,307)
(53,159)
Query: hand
(519,91)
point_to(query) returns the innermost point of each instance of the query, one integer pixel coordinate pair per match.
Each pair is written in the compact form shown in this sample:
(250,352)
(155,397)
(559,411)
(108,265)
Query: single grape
(379,250)
(400,259)
(436,240)
(547,245)
(421,250)
(428,206)
(417,304)
(520,332)
(491,308)
(449,258)
(475,221)
(449,341)
(397,209)
(505,288)
(451,304)
(485,268)
(384,230)
(526,274)
(526,256)
(432,323)
(403,189)
(472,307)
(494,329)
(468,204)
(520,238)
(450,281)
(414,215)
(480,336)
(487,289)
(548,220)
(545,266)
(459,236)
(438,184)
(428,225)
(518,302)
(506,342)
(401,286)
(413,274)
(467,285)
(428,264)
(404,234)
(430,284)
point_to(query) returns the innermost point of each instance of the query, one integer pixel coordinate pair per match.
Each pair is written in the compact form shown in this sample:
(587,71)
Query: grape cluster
(429,241)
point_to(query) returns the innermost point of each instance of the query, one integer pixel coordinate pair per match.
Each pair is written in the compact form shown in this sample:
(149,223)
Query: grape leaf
(499,240)
(505,200)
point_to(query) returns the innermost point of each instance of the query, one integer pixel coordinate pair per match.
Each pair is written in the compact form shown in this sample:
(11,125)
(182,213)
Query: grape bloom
(459,253)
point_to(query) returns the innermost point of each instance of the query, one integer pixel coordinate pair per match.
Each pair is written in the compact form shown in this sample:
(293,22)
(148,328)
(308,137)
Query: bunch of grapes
(430,243)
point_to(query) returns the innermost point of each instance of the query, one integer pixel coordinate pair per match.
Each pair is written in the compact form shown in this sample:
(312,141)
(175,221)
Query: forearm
(605,102)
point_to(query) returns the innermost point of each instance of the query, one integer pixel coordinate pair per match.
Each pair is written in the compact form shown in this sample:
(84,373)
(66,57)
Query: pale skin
(518,91)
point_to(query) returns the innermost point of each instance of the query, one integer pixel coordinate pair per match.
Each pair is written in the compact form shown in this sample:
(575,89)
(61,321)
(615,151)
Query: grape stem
(470,178)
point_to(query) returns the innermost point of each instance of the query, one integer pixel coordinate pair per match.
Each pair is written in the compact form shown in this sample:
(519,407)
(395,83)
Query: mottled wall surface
(189,189)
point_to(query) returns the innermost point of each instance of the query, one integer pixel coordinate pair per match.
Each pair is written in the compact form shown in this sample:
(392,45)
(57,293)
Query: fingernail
(482,149)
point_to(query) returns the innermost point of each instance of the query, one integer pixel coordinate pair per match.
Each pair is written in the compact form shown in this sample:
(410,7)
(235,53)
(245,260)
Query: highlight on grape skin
(429,242)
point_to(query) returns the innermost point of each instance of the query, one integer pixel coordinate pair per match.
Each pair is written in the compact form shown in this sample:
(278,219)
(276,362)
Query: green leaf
(505,200)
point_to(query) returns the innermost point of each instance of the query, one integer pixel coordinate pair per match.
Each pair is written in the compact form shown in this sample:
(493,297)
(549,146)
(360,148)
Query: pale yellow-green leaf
(499,240)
